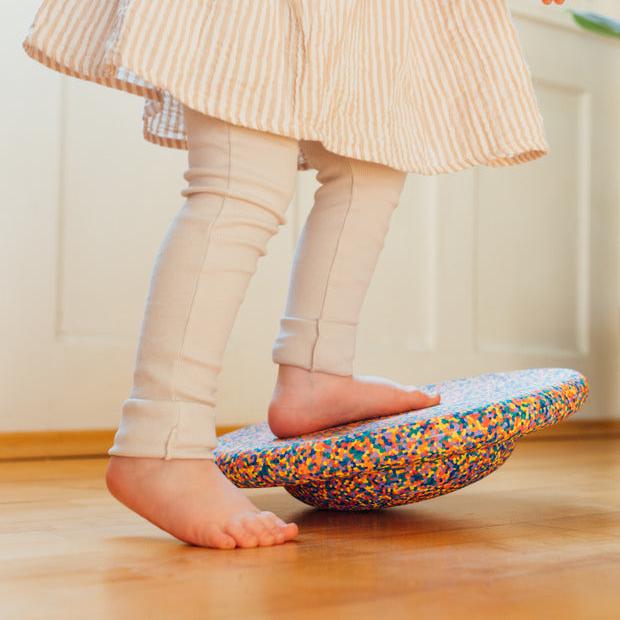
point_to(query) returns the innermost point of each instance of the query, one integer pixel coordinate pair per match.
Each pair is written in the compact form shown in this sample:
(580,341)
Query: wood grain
(540,538)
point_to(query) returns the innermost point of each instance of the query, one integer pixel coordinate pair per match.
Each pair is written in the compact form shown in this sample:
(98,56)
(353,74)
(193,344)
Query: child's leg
(241,182)
(334,262)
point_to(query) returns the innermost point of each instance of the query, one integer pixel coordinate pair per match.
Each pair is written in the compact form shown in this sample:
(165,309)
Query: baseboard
(63,444)
(95,443)
(582,429)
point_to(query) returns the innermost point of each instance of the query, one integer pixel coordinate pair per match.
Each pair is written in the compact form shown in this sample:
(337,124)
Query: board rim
(288,464)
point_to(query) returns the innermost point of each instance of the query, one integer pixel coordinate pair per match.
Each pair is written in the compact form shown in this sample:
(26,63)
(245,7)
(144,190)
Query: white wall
(86,201)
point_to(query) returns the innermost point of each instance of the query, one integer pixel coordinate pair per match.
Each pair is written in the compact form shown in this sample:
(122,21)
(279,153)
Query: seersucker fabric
(424,86)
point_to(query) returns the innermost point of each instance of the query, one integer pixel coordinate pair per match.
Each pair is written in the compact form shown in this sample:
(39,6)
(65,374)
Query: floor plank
(540,538)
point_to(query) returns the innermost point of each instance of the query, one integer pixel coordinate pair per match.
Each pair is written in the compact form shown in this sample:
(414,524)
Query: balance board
(411,456)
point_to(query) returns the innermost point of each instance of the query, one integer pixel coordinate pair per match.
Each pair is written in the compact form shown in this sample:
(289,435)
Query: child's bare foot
(305,401)
(193,500)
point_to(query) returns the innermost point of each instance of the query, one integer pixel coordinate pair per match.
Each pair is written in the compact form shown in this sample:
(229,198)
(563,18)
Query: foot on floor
(193,500)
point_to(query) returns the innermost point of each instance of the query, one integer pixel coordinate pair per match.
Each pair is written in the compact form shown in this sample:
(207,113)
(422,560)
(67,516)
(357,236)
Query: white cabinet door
(487,269)
(498,269)
(86,202)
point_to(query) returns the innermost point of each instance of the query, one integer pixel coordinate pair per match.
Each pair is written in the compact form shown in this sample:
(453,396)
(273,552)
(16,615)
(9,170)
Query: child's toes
(215,537)
(286,531)
(290,531)
(209,535)
(243,536)
(255,524)
(420,400)
(269,520)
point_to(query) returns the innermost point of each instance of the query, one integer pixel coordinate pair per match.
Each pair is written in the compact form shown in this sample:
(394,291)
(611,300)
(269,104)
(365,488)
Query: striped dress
(425,86)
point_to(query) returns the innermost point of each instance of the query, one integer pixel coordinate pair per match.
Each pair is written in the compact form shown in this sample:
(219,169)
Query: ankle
(290,374)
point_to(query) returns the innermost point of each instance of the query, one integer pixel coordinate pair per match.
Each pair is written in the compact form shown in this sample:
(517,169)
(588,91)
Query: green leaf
(596,22)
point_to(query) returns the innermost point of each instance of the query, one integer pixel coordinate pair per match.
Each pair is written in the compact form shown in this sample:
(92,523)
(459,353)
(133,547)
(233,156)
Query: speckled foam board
(412,456)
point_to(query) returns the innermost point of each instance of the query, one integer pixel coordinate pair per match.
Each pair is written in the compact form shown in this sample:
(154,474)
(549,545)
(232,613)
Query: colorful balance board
(411,456)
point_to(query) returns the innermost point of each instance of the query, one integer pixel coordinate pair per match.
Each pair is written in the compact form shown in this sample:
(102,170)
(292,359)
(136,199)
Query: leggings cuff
(316,345)
(165,429)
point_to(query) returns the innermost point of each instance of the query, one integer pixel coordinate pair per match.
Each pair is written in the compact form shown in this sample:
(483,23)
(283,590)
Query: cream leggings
(240,184)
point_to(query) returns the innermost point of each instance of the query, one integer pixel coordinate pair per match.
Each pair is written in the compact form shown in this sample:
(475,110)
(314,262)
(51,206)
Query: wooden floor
(540,538)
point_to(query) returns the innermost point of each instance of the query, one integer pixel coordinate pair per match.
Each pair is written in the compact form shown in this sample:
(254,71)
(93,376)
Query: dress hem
(533,149)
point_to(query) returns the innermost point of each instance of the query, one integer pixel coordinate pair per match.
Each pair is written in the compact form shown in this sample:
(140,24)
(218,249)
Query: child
(363,92)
